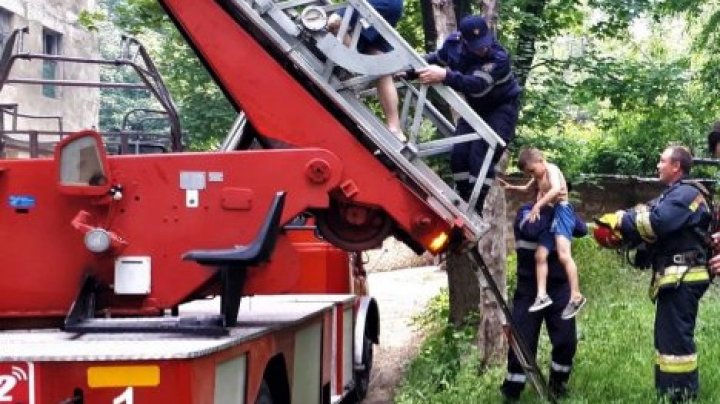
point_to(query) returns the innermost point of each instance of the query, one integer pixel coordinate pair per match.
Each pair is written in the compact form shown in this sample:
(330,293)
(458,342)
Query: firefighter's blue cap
(475,32)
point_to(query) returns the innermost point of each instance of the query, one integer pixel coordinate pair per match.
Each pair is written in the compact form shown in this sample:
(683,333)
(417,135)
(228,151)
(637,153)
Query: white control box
(132,275)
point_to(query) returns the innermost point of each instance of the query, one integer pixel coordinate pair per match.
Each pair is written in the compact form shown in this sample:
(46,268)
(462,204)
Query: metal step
(297,29)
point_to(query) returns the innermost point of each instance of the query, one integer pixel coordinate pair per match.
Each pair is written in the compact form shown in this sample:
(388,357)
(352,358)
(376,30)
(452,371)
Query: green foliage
(615,350)
(206,115)
(91,20)
(597,97)
(138,16)
(410,26)
(114,103)
(614,82)
(446,353)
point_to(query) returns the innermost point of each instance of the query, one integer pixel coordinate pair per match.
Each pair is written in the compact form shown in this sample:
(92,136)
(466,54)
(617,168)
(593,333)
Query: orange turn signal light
(439,243)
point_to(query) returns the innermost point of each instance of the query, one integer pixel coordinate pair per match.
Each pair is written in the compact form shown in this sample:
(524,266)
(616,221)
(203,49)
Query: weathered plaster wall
(77,106)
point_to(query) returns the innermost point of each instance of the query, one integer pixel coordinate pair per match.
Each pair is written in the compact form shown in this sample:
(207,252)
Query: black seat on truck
(256,252)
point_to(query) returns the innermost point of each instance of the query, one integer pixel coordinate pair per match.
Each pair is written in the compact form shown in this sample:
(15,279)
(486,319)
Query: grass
(614,362)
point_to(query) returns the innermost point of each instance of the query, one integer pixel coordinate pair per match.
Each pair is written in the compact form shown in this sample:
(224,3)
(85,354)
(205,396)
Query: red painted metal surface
(45,257)
(323,268)
(181,381)
(281,108)
(43,250)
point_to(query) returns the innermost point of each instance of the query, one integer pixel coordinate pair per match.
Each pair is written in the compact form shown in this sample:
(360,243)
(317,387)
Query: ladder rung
(280,23)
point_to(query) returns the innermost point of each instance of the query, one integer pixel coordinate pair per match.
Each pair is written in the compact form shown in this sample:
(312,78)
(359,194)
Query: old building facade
(53,29)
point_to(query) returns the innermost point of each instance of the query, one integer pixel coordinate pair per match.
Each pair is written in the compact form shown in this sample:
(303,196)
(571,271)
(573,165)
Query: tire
(264,394)
(362,377)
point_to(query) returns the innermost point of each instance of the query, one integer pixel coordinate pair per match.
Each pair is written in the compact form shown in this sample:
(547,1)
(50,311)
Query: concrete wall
(599,195)
(77,106)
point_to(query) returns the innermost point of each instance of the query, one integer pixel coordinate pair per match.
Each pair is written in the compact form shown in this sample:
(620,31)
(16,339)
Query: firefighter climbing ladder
(297,29)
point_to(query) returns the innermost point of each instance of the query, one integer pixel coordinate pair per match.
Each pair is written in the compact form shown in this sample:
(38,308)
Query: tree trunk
(428,23)
(462,8)
(463,289)
(493,248)
(491,14)
(527,33)
(445,20)
(467,288)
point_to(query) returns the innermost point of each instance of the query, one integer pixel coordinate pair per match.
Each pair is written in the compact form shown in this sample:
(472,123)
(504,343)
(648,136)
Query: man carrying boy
(552,191)
(562,333)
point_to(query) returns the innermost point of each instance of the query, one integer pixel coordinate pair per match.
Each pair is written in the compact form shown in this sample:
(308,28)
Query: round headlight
(97,240)
(314,18)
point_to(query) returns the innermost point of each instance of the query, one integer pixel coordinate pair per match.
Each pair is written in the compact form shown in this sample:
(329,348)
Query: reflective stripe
(679,270)
(487,181)
(676,363)
(560,368)
(461,176)
(644,227)
(524,221)
(516,377)
(525,245)
(485,76)
(673,274)
(488,79)
(697,202)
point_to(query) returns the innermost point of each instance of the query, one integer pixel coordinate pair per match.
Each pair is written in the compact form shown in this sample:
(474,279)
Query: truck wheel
(264,395)
(362,377)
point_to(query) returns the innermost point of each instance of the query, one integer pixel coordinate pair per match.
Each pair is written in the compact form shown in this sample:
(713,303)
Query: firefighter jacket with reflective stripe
(673,226)
(486,82)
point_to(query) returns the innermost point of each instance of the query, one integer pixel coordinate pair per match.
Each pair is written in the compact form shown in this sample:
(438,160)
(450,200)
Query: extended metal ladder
(517,344)
(297,29)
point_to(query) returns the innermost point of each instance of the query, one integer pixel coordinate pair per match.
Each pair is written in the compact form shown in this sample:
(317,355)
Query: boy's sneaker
(572,308)
(541,302)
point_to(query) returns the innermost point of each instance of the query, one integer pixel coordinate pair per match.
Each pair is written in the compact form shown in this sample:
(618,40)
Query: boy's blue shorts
(391,11)
(562,225)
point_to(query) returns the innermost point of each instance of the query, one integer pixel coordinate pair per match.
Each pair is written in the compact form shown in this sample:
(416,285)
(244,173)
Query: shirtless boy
(551,190)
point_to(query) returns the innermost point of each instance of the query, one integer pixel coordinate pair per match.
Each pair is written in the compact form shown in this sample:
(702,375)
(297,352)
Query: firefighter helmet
(606,237)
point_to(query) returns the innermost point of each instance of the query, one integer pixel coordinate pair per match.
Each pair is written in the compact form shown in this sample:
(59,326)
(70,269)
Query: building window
(5,26)
(51,46)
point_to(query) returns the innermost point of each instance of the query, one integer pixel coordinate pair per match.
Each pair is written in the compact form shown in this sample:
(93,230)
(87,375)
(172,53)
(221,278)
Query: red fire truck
(187,276)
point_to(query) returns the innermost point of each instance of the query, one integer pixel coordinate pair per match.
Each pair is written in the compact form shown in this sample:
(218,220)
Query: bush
(615,349)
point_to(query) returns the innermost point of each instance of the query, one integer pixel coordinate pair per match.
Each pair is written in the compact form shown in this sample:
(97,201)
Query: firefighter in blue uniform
(674,227)
(472,62)
(562,332)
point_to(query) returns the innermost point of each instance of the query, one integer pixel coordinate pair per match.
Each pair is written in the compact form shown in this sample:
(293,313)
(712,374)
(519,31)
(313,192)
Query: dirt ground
(400,295)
